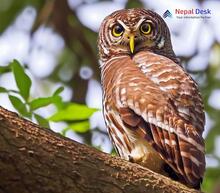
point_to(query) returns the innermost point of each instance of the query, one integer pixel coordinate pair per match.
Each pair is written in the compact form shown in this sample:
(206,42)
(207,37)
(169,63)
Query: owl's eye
(146,28)
(117,30)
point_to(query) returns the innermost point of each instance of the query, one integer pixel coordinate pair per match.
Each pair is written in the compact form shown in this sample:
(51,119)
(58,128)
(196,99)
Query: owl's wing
(163,105)
(177,84)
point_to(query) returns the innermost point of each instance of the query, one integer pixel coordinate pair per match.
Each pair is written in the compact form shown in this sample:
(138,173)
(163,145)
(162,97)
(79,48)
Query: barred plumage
(152,107)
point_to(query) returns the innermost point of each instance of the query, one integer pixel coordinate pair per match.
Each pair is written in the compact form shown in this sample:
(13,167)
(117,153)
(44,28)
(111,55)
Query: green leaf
(80,127)
(42,121)
(3,90)
(22,79)
(58,91)
(19,105)
(63,132)
(59,103)
(42,102)
(4,69)
(73,112)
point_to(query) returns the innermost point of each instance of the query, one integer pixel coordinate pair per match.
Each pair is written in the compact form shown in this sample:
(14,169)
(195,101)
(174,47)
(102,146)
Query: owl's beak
(131,43)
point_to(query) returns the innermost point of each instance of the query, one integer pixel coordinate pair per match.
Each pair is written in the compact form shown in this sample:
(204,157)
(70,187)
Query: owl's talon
(130,158)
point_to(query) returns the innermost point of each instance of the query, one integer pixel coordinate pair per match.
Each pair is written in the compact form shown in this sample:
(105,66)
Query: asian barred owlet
(152,107)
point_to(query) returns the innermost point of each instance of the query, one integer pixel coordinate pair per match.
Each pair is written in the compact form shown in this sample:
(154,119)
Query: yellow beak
(131,43)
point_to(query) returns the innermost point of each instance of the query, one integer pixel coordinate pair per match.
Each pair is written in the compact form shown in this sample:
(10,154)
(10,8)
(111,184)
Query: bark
(37,160)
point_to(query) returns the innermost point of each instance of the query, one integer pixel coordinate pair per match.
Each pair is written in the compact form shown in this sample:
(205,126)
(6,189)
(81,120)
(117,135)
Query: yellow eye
(145,28)
(117,30)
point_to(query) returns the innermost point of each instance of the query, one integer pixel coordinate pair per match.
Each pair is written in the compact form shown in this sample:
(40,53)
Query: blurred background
(55,41)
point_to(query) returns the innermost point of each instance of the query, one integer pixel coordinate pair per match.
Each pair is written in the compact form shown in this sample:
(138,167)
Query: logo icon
(167,13)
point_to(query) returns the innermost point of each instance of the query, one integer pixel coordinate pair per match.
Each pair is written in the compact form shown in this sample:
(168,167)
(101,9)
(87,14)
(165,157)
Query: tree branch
(34,159)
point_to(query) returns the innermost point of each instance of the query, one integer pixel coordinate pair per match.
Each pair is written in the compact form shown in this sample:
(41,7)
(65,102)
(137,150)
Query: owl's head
(129,31)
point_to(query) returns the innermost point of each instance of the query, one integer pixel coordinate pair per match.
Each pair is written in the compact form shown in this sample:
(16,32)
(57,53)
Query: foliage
(212,178)
(7,16)
(73,112)
(77,115)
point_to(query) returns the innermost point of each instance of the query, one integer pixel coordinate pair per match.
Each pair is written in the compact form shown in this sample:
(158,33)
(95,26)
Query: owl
(152,108)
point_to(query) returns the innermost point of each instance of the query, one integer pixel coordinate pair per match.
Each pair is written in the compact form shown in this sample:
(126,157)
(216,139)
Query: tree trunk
(37,160)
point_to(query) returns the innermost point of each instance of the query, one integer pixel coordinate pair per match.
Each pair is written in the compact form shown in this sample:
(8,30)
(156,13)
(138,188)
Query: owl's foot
(135,159)
(150,160)
(131,159)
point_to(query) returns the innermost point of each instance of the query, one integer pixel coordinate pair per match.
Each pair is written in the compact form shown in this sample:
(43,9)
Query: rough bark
(37,160)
